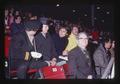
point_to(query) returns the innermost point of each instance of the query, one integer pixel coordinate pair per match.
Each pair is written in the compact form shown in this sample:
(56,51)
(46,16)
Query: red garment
(7,45)
(95,35)
(53,72)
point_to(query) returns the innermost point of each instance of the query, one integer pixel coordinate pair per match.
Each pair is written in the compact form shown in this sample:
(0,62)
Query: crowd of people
(38,41)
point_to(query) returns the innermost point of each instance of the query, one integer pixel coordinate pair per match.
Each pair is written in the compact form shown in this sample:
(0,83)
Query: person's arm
(18,50)
(98,58)
(72,66)
(53,51)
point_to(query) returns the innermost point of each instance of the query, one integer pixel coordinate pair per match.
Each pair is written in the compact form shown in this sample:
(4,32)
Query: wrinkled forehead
(82,35)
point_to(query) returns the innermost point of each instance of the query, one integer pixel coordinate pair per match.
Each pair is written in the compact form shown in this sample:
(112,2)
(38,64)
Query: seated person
(23,50)
(79,62)
(45,43)
(72,42)
(60,40)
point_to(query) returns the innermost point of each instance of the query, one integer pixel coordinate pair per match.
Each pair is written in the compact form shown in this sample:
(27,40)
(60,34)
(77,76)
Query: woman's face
(113,44)
(62,32)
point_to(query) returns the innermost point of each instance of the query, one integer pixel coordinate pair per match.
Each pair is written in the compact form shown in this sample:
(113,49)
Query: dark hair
(74,25)
(17,16)
(63,27)
(106,39)
(45,22)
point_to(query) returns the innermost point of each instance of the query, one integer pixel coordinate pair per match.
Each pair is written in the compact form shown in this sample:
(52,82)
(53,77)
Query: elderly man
(78,59)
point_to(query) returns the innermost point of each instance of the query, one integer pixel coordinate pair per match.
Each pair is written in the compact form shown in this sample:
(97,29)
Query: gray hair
(82,33)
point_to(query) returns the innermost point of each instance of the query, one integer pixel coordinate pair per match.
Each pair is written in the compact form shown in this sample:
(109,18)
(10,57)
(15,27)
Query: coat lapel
(28,43)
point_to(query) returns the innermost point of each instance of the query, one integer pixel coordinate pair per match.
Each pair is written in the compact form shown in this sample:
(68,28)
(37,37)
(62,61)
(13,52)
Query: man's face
(75,30)
(108,44)
(83,40)
(45,28)
(62,32)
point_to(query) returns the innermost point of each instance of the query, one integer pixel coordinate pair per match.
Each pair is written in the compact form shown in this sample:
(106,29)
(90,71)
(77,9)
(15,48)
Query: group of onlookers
(36,43)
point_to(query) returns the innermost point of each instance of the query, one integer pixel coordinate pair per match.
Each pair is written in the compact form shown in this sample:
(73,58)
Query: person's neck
(31,37)
(44,34)
(83,48)
(74,34)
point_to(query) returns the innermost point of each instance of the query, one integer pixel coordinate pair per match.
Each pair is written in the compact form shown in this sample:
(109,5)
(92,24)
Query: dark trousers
(23,68)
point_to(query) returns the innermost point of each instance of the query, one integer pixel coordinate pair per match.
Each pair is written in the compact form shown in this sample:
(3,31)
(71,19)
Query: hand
(52,63)
(89,77)
(36,54)
(54,59)
(65,52)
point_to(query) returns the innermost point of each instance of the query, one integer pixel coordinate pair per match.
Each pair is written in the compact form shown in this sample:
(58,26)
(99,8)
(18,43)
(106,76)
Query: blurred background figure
(17,25)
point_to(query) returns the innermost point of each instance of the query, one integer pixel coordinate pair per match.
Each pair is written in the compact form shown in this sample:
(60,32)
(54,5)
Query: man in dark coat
(79,61)
(22,44)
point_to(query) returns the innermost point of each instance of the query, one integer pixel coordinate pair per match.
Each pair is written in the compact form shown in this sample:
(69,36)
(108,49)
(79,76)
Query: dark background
(71,11)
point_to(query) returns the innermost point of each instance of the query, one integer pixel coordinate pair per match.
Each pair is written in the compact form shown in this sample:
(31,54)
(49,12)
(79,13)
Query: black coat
(45,46)
(60,43)
(78,64)
(20,44)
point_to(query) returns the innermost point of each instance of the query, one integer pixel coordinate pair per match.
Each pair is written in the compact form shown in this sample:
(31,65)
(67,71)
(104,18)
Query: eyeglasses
(83,38)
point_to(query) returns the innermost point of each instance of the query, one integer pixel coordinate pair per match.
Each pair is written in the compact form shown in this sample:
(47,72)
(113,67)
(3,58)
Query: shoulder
(20,34)
(74,50)
(38,35)
(54,36)
(99,51)
(18,37)
(100,48)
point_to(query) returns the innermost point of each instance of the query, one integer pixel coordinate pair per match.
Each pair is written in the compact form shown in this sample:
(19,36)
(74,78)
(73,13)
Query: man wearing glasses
(78,59)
